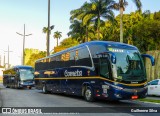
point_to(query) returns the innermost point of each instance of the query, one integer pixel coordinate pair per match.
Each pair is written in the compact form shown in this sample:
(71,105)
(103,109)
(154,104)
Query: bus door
(105,72)
(104,67)
(104,64)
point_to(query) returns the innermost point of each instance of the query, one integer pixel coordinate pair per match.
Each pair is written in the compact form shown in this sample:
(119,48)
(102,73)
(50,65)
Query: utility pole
(8,57)
(23,43)
(4,61)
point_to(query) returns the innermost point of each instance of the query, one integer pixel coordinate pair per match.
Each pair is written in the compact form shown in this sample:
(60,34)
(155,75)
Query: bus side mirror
(113,58)
(150,57)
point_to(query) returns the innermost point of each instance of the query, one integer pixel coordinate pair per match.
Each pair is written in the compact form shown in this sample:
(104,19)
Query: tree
(66,43)
(94,12)
(83,32)
(121,7)
(34,57)
(57,35)
(45,30)
(146,35)
(99,9)
(157,15)
(77,31)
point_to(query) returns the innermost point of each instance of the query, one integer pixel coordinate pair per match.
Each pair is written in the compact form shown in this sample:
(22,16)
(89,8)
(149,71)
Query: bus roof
(20,67)
(106,43)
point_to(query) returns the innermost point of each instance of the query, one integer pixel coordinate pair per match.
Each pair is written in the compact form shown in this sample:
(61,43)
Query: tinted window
(95,49)
(155,82)
(83,58)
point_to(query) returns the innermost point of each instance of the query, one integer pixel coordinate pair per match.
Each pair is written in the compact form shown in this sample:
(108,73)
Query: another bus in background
(19,77)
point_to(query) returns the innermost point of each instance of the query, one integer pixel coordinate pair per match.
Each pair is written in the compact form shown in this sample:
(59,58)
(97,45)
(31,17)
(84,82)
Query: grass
(149,100)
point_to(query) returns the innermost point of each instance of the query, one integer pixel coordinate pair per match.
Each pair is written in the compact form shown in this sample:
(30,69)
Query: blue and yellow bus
(19,76)
(97,69)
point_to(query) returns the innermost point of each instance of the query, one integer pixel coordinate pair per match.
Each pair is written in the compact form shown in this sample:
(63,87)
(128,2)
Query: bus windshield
(129,65)
(26,74)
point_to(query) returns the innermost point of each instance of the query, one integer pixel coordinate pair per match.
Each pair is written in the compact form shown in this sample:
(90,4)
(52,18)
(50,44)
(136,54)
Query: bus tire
(18,85)
(6,86)
(88,94)
(44,89)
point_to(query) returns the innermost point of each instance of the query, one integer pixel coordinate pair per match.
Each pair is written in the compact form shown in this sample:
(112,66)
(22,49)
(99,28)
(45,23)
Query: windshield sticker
(115,50)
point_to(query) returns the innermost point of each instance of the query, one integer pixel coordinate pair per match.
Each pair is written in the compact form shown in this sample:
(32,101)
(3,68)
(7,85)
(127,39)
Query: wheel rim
(88,94)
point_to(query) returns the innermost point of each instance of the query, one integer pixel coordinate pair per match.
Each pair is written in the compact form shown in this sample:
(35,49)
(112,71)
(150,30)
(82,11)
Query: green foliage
(89,15)
(157,15)
(34,57)
(68,42)
(147,34)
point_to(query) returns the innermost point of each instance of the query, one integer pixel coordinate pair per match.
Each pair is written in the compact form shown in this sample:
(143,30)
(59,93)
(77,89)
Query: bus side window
(83,57)
(72,58)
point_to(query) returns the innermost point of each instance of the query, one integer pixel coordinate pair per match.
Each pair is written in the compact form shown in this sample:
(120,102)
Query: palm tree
(91,13)
(45,30)
(77,20)
(121,7)
(77,31)
(57,35)
(100,9)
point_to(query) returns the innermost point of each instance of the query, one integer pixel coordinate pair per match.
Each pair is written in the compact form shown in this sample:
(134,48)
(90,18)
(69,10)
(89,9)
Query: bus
(19,76)
(96,69)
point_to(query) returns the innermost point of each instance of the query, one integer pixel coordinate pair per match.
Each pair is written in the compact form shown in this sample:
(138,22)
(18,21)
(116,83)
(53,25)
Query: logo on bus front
(76,73)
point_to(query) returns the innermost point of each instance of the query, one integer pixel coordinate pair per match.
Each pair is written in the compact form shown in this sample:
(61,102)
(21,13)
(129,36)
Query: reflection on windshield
(129,65)
(26,74)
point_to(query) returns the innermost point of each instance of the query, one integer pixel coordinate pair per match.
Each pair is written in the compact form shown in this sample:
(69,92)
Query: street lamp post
(49,29)
(23,43)
(48,32)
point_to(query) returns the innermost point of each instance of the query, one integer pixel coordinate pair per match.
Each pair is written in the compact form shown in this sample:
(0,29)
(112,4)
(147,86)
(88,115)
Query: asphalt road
(35,98)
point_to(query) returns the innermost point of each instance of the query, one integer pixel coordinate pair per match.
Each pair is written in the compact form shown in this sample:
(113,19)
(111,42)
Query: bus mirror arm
(150,57)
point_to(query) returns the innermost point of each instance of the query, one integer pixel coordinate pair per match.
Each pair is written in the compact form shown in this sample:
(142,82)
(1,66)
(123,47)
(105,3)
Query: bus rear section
(19,77)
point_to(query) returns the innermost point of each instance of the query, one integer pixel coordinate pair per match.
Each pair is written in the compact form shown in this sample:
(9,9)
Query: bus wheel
(18,85)
(88,94)
(6,86)
(44,89)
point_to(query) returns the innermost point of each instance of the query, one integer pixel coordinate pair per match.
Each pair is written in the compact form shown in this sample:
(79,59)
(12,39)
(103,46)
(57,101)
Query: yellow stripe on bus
(94,77)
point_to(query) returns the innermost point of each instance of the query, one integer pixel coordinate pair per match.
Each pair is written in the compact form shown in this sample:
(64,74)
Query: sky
(34,14)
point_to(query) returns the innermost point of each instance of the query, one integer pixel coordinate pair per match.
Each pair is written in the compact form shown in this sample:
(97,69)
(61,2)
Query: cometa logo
(76,73)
